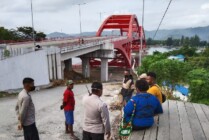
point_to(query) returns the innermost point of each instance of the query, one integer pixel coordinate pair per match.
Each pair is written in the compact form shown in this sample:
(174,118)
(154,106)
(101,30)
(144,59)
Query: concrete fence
(14,69)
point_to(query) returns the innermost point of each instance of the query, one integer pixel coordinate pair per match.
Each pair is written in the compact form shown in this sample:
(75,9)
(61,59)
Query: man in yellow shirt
(154,88)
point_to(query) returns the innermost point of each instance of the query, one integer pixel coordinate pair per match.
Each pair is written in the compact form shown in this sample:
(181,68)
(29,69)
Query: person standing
(154,89)
(127,86)
(26,111)
(69,106)
(96,115)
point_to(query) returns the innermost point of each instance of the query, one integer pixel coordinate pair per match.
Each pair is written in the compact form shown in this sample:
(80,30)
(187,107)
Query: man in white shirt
(26,111)
(96,119)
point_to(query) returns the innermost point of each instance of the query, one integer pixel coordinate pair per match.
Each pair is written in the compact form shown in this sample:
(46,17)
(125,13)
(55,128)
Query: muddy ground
(49,118)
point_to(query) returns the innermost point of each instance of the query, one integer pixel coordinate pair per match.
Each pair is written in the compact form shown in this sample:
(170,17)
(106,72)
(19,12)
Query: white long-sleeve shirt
(25,108)
(96,118)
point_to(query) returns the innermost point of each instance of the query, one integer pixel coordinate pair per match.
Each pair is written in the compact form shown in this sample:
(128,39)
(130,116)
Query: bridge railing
(67,47)
(80,46)
(9,53)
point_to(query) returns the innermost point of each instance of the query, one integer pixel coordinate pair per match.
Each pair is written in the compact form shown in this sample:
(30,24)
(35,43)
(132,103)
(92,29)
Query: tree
(21,34)
(172,72)
(186,42)
(186,51)
(194,41)
(199,85)
(176,42)
(203,43)
(149,41)
(148,60)
(182,40)
(40,36)
(26,32)
(5,34)
(169,41)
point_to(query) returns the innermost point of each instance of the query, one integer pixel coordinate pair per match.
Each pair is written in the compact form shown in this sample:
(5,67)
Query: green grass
(6,94)
(203,101)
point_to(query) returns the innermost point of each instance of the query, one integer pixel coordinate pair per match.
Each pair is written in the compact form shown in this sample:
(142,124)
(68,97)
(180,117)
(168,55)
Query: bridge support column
(50,67)
(86,67)
(104,69)
(68,65)
(59,66)
(63,68)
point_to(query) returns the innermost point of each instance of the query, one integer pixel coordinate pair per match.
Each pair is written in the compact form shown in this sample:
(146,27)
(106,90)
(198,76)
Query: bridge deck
(180,121)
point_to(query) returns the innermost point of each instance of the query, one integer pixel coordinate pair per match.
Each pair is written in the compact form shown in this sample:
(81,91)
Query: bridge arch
(129,27)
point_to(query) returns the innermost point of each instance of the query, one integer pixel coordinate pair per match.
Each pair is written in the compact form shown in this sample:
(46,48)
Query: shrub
(198,80)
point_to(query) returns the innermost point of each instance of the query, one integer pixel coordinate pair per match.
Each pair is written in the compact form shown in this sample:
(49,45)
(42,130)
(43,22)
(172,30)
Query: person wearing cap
(96,115)
(69,106)
(143,76)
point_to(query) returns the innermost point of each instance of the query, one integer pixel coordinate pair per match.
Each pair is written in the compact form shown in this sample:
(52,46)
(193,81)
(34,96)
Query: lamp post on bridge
(100,16)
(79,5)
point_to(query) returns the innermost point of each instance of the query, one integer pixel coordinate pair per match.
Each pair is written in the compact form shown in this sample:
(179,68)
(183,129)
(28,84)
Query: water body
(159,49)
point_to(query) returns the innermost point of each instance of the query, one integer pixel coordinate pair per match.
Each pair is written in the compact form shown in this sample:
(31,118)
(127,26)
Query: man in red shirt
(68,106)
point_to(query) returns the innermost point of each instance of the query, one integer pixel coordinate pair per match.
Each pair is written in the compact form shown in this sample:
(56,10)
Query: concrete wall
(13,70)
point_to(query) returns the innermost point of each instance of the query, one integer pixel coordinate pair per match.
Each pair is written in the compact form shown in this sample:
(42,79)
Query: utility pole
(33,32)
(141,40)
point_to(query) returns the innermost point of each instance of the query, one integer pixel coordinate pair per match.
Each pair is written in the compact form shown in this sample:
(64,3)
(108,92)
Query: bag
(163,95)
(125,128)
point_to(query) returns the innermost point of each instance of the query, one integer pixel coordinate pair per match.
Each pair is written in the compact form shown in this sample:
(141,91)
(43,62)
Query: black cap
(97,85)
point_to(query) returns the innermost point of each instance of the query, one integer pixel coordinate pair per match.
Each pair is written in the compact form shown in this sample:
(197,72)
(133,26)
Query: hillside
(202,32)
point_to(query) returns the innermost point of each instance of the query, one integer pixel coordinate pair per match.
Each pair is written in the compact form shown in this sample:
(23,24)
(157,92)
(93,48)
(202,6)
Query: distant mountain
(202,32)
(57,34)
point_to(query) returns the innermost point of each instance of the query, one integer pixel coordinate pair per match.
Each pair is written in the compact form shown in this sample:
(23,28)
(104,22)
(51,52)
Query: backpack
(163,95)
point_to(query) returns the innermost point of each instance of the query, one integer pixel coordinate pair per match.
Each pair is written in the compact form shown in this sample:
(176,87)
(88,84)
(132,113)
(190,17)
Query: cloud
(57,15)
(205,6)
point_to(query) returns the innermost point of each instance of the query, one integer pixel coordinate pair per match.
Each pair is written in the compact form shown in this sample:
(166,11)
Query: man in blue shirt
(147,106)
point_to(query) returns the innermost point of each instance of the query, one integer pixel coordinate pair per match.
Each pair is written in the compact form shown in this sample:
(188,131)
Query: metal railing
(5,54)
(80,46)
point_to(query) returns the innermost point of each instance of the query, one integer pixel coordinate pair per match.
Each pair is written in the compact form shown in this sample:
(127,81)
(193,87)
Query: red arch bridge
(115,50)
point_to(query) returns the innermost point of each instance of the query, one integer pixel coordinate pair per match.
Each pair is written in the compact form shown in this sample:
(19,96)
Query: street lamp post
(33,32)
(100,16)
(79,5)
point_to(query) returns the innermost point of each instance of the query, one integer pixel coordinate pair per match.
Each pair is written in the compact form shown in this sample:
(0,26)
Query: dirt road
(49,118)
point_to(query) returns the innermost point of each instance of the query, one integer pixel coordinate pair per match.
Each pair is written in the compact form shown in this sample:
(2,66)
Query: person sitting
(154,89)
(146,107)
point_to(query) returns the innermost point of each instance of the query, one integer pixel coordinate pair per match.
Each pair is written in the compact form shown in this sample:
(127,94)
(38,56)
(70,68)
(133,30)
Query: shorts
(69,117)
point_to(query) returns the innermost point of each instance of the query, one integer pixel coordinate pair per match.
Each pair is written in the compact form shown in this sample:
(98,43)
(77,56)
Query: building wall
(14,69)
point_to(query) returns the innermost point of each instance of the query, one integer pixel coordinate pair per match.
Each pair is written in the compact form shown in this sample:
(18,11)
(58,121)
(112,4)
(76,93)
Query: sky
(63,15)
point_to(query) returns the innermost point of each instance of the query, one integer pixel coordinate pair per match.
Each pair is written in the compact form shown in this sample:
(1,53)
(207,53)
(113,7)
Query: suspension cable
(162,19)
